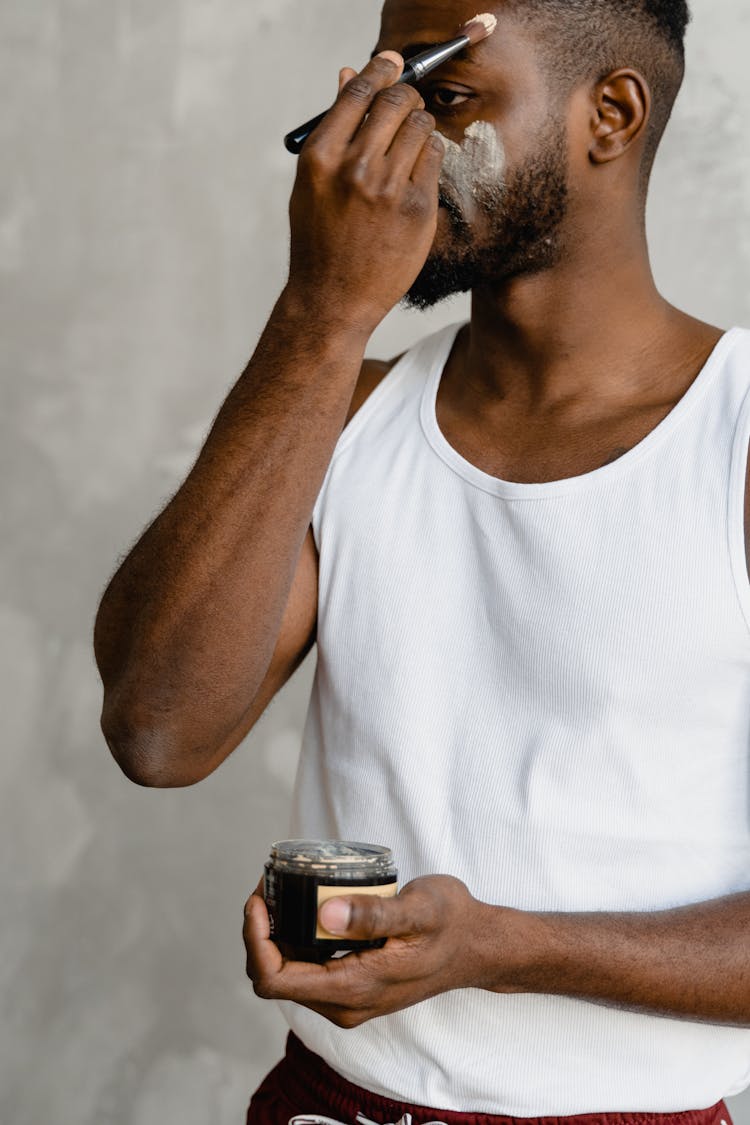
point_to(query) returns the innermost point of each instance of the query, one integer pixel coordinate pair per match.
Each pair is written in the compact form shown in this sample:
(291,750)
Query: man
(520,551)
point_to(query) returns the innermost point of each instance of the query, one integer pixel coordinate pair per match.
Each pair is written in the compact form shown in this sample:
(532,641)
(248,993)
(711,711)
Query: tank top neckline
(515,490)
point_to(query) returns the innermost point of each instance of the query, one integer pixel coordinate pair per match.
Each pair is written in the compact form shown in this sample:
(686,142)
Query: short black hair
(584,40)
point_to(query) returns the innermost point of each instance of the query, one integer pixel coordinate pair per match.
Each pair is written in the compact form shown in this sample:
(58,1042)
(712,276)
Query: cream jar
(301,875)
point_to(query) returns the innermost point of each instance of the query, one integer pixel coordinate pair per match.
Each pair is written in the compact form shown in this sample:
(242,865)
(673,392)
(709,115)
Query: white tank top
(544,690)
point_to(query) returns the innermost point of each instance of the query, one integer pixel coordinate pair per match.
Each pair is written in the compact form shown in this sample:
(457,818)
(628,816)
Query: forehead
(442,17)
(406,24)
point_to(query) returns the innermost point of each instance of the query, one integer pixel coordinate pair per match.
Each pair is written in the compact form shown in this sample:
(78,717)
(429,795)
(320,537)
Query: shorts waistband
(310,1080)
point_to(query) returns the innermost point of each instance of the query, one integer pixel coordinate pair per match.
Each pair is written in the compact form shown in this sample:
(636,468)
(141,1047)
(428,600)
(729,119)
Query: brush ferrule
(421,65)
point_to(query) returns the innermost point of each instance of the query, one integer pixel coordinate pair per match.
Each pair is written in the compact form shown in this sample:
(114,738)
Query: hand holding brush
(415,69)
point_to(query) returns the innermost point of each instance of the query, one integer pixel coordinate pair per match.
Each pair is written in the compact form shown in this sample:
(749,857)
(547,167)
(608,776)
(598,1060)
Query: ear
(622,106)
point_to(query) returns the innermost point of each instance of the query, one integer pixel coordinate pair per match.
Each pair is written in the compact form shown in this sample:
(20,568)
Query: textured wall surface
(142,242)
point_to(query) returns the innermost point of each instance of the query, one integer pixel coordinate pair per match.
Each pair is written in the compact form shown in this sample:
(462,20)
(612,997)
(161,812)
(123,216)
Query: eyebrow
(412,49)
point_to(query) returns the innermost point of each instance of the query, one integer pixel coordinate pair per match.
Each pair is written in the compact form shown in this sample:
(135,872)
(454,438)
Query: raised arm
(215,605)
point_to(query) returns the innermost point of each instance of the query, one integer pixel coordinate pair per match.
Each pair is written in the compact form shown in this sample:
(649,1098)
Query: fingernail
(335,915)
(391,56)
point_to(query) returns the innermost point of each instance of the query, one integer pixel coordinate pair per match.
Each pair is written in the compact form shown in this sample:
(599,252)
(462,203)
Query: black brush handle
(294,141)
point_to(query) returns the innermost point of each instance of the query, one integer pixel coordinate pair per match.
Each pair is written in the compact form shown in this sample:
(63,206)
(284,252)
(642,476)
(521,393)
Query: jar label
(385,890)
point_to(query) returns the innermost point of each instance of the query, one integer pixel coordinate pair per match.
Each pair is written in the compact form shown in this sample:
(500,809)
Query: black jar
(301,874)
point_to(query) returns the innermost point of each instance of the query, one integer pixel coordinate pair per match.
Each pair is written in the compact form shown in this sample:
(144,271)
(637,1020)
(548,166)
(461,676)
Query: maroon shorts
(302,1083)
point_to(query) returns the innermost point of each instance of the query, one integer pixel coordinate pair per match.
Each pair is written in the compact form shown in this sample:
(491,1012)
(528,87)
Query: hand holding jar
(437,937)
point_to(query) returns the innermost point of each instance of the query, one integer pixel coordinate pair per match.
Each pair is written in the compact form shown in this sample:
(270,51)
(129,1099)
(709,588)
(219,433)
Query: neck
(549,336)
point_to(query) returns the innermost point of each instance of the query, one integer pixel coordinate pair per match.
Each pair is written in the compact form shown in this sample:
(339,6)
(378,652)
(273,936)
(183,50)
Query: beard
(521,217)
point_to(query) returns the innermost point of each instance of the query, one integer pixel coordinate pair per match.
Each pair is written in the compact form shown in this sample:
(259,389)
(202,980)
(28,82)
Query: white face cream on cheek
(473,170)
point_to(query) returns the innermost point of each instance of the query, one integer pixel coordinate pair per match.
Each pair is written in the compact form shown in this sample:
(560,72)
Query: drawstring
(319,1119)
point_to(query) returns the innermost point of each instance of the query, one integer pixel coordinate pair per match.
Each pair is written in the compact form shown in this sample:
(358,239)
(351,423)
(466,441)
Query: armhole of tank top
(736,508)
(371,403)
(354,425)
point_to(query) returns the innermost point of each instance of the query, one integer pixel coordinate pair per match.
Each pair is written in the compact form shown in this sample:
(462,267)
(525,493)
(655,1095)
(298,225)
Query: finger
(370,916)
(408,143)
(342,982)
(264,958)
(427,166)
(330,986)
(342,122)
(390,109)
(345,75)
(259,892)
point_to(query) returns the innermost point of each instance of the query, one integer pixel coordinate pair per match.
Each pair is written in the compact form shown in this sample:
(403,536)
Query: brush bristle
(479,27)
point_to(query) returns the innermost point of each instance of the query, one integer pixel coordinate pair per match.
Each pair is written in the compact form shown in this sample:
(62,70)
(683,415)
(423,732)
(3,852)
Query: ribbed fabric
(302,1083)
(543,690)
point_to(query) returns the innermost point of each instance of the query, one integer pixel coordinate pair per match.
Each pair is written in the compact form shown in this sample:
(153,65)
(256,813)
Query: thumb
(362,917)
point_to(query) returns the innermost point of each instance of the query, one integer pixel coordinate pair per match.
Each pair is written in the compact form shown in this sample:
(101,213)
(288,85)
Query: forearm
(690,963)
(187,626)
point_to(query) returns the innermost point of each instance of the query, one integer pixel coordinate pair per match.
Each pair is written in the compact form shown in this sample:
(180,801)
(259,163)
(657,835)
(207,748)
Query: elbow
(148,753)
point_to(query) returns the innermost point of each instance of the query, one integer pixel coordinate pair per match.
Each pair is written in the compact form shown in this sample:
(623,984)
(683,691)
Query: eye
(442,99)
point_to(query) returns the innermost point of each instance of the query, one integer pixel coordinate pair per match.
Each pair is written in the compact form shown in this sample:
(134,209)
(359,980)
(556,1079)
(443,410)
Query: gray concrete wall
(143,192)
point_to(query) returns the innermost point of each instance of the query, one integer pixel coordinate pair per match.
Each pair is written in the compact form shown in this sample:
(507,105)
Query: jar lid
(326,855)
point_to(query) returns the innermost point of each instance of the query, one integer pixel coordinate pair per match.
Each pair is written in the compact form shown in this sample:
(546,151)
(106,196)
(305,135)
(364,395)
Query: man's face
(503,188)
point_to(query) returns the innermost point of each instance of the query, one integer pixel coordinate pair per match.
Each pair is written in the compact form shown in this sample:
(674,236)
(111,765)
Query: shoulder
(372,373)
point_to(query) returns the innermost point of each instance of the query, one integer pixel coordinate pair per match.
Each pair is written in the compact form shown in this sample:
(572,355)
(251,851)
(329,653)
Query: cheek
(475,167)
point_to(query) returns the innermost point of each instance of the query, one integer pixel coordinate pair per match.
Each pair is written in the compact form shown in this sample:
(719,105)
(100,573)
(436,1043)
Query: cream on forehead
(486,18)
(474,169)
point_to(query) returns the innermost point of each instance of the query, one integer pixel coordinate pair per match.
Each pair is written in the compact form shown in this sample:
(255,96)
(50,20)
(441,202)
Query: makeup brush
(472,32)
